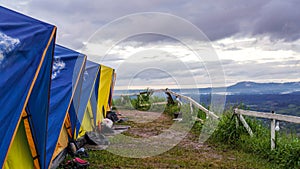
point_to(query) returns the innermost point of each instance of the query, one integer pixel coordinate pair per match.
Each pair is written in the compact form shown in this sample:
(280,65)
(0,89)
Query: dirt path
(151,124)
(146,129)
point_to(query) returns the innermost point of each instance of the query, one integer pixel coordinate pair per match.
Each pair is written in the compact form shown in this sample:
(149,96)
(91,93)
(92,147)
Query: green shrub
(285,155)
(227,131)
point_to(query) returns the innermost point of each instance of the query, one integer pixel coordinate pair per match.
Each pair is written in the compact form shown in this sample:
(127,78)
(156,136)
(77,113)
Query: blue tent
(26,52)
(85,111)
(95,98)
(67,73)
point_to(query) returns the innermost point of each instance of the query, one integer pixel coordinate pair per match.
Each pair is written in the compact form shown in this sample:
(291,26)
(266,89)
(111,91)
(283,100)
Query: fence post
(273,123)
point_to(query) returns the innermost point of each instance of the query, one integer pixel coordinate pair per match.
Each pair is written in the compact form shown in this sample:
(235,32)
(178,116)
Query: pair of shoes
(76,163)
(79,163)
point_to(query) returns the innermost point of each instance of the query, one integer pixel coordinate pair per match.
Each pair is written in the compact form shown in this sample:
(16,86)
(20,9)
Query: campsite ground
(189,153)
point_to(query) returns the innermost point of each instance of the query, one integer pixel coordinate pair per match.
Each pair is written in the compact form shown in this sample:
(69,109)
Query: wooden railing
(191,101)
(196,104)
(272,116)
(238,112)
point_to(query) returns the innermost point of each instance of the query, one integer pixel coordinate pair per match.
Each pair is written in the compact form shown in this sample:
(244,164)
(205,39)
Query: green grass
(286,154)
(180,157)
(229,147)
(184,155)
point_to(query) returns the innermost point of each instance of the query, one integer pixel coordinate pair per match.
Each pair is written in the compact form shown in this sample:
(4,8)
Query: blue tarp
(67,71)
(89,80)
(20,59)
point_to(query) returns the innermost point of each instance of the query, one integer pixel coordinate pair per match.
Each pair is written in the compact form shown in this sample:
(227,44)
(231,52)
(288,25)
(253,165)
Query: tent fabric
(24,65)
(89,79)
(62,143)
(94,99)
(75,103)
(87,123)
(30,139)
(20,154)
(67,70)
(106,74)
(113,82)
(38,104)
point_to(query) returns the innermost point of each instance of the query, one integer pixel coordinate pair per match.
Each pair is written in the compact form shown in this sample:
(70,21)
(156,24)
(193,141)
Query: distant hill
(264,88)
(253,88)
(241,88)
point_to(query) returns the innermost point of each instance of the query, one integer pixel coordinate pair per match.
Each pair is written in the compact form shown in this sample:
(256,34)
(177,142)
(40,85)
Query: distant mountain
(253,88)
(264,88)
(241,88)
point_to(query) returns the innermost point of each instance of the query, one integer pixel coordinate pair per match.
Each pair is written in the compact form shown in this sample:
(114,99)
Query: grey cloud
(279,18)
(251,70)
(275,18)
(163,70)
(195,73)
(217,19)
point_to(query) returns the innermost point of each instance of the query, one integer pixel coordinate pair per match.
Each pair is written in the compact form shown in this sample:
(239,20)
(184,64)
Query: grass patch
(286,154)
(187,154)
(180,157)
(229,147)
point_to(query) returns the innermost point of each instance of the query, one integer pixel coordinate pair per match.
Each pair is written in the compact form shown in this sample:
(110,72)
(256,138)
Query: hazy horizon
(146,87)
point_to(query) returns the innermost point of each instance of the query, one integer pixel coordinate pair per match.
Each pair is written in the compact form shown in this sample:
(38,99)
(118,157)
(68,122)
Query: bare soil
(188,153)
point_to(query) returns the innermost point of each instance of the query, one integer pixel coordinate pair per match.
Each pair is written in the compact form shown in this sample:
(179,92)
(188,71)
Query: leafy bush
(141,102)
(171,109)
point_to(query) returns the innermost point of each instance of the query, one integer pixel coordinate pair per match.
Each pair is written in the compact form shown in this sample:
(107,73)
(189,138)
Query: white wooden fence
(272,116)
(188,99)
(238,112)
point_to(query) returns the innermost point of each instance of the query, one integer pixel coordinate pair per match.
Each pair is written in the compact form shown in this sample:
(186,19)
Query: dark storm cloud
(77,20)
(276,18)
(279,18)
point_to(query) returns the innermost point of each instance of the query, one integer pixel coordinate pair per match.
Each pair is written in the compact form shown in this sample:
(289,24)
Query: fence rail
(279,117)
(238,112)
(188,99)
(272,116)
(196,104)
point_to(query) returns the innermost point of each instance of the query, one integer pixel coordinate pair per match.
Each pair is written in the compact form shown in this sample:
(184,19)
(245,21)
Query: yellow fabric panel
(103,91)
(19,155)
(113,83)
(63,139)
(87,123)
(90,113)
(68,125)
(62,142)
(30,141)
(81,132)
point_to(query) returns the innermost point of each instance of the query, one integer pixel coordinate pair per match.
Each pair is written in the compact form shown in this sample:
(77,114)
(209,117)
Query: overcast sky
(257,40)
